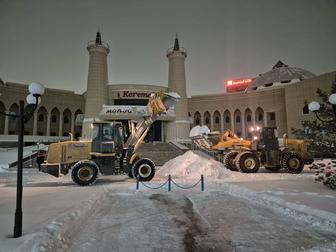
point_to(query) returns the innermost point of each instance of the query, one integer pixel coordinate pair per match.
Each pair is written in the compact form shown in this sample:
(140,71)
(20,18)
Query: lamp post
(33,99)
(315,107)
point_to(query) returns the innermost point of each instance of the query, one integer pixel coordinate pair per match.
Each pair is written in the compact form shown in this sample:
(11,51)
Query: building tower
(177,83)
(96,91)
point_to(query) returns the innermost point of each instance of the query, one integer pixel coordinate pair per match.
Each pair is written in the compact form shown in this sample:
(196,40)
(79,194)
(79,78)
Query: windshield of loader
(108,131)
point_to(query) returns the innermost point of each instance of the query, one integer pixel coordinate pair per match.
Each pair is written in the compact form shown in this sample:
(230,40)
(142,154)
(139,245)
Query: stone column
(222,123)
(265,118)
(253,118)
(35,123)
(232,122)
(6,123)
(211,122)
(60,127)
(243,125)
(48,123)
(73,124)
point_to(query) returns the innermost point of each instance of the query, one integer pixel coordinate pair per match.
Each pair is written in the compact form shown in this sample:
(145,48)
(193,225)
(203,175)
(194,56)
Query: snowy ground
(237,212)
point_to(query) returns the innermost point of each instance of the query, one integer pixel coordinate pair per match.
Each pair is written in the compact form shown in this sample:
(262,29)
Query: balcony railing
(93,42)
(182,50)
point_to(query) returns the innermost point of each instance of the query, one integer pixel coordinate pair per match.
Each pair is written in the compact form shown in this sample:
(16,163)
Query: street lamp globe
(36,89)
(31,99)
(332,99)
(314,106)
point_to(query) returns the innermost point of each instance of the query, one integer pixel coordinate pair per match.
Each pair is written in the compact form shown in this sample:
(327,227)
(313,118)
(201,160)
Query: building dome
(279,75)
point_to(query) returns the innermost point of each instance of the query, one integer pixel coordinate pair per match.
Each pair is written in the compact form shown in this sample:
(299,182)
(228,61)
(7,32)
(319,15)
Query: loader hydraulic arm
(159,103)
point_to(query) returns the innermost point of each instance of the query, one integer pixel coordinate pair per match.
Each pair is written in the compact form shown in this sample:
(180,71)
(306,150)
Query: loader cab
(107,137)
(270,150)
(269,138)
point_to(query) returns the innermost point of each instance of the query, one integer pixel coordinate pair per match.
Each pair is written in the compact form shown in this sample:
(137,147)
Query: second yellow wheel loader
(266,150)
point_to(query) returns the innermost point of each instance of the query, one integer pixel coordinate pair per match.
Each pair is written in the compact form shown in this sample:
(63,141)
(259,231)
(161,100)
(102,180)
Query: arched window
(207,120)
(227,119)
(66,119)
(41,118)
(197,121)
(53,118)
(238,119)
(248,118)
(216,119)
(260,117)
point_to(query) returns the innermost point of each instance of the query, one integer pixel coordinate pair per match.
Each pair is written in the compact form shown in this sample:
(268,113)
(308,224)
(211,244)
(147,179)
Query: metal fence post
(137,183)
(169,183)
(202,183)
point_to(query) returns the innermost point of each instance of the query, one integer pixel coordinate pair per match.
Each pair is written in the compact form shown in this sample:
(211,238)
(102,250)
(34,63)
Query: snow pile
(192,166)
(198,131)
(326,172)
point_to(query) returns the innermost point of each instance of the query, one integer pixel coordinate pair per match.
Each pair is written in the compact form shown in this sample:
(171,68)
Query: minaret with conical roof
(96,92)
(177,83)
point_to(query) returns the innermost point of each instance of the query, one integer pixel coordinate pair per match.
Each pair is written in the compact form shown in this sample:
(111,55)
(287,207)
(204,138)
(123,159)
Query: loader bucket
(161,102)
(170,99)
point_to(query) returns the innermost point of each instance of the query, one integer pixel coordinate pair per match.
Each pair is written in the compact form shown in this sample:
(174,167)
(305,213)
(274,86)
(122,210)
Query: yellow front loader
(265,150)
(109,152)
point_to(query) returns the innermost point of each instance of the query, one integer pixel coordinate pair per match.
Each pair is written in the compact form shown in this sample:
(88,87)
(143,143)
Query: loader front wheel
(130,174)
(228,160)
(247,162)
(144,168)
(84,172)
(292,162)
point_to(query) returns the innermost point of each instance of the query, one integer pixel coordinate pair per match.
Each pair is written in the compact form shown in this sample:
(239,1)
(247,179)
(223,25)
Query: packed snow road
(237,212)
(194,221)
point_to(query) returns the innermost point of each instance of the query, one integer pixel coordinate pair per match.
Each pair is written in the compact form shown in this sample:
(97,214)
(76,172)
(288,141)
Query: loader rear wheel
(144,168)
(84,172)
(247,162)
(228,160)
(292,162)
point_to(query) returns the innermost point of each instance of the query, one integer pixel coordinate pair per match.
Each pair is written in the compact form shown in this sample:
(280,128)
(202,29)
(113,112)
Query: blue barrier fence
(170,182)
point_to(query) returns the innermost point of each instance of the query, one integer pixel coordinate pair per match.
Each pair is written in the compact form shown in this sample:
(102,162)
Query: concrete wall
(64,104)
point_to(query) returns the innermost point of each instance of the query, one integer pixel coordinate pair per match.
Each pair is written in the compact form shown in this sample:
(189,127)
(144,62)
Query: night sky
(46,40)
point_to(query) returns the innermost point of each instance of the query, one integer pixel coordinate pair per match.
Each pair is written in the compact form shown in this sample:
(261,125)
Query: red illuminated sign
(238,85)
